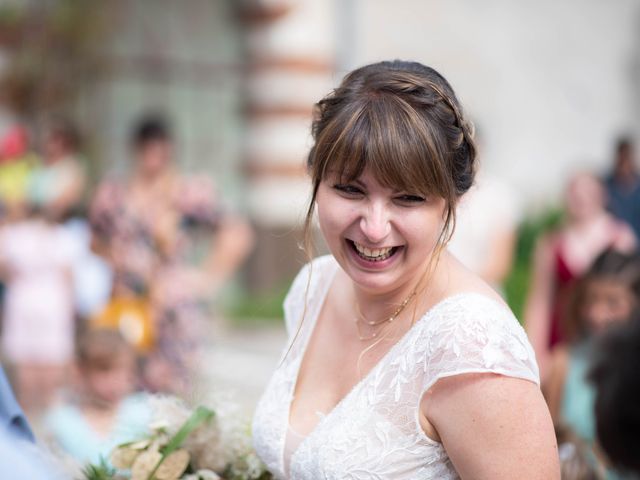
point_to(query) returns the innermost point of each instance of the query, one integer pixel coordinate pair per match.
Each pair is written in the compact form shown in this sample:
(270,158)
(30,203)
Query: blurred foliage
(248,309)
(52,50)
(516,285)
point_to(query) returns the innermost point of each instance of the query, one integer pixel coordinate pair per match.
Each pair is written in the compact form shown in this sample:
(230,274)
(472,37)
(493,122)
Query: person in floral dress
(149,226)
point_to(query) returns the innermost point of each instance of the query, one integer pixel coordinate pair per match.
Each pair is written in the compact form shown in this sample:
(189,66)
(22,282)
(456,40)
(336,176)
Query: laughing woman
(401,363)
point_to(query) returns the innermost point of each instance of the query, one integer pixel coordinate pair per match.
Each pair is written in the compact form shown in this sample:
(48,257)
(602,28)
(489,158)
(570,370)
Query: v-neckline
(311,329)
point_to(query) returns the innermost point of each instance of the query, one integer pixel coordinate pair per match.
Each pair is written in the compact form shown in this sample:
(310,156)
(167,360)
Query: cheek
(425,228)
(334,216)
(325,220)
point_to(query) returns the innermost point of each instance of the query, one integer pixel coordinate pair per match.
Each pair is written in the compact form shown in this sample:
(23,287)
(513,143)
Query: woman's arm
(539,300)
(493,427)
(232,245)
(553,389)
(500,258)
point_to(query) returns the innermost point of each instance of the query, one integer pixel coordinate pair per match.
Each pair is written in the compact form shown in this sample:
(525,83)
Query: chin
(375,279)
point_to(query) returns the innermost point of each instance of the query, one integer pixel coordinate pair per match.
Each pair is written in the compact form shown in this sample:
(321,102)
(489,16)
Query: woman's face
(382,238)
(110,385)
(154,156)
(607,301)
(584,197)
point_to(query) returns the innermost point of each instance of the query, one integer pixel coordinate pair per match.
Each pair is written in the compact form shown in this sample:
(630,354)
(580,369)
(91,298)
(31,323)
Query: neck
(588,221)
(377,307)
(146,179)
(93,403)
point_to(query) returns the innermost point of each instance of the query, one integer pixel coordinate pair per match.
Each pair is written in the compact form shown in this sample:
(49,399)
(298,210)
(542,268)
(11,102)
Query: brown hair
(101,349)
(609,265)
(401,120)
(65,131)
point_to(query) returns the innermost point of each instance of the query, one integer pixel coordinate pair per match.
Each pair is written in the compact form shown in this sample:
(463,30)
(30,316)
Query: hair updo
(403,122)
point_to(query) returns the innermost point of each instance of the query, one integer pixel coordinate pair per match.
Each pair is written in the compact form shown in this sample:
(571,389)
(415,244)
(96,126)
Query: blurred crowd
(585,284)
(584,288)
(106,289)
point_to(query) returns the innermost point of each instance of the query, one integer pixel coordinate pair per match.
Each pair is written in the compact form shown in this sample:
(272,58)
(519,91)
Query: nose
(375,222)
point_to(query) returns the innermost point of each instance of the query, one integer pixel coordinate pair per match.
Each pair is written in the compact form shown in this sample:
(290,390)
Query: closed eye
(410,199)
(350,190)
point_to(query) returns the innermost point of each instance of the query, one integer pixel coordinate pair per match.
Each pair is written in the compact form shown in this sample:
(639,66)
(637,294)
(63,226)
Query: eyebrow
(394,191)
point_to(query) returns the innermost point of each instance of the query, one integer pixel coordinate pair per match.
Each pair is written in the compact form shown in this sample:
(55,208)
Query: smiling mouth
(373,254)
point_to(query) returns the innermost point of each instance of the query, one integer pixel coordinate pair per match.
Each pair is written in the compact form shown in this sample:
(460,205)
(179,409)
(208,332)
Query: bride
(401,363)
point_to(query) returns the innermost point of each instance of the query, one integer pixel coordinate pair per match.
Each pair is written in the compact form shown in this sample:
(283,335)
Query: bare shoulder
(459,279)
(493,426)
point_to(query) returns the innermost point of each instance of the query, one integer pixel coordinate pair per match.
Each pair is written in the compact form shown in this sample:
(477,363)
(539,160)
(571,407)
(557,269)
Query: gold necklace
(360,318)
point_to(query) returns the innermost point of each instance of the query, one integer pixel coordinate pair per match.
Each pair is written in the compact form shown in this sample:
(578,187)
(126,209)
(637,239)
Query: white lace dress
(374,432)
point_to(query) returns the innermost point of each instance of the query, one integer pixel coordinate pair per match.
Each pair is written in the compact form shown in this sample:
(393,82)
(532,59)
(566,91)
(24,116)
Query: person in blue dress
(623,186)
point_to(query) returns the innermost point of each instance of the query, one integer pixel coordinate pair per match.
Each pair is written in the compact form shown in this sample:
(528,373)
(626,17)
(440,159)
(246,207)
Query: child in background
(104,412)
(38,324)
(605,296)
(615,378)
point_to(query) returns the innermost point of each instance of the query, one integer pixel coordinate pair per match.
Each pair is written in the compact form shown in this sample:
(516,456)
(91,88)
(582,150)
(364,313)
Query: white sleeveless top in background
(374,432)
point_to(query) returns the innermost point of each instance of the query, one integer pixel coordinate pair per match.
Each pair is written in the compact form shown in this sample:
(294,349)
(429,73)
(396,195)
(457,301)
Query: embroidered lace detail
(374,432)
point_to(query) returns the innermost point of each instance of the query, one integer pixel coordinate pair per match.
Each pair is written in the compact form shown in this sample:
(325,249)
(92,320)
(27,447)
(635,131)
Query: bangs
(388,137)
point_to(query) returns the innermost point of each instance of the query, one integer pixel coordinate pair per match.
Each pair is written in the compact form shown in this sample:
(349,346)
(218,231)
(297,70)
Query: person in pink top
(564,254)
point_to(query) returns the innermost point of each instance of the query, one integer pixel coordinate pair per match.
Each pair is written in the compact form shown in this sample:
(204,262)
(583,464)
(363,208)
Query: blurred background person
(12,419)
(57,190)
(605,296)
(38,315)
(57,185)
(143,226)
(487,219)
(617,395)
(17,162)
(102,409)
(623,185)
(20,460)
(563,255)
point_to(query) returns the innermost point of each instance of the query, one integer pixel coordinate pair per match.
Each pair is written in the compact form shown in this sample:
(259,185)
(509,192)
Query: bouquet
(184,444)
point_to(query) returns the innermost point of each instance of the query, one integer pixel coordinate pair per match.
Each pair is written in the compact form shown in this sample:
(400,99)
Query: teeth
(375,254)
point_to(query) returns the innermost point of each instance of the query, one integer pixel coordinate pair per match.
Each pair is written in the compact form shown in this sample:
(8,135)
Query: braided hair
(403,121)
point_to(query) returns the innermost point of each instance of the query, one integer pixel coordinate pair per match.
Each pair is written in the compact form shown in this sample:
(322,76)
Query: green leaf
(101,471)
(197,418)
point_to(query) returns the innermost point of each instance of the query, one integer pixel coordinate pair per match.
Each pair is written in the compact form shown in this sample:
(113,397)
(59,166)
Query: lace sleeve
(474,334)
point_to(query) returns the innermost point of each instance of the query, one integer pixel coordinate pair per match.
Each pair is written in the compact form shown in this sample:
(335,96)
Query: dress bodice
(374,431)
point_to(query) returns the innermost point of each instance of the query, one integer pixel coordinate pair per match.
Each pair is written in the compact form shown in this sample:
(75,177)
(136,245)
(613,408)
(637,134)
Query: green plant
(516,285)
(250,309)
(100,471)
